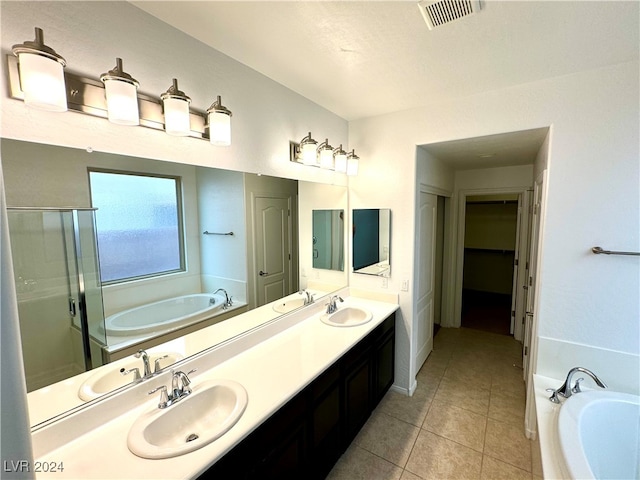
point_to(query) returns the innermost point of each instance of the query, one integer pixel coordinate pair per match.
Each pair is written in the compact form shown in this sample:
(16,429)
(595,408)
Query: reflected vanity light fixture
(352,163)
(41,74)
(219,118)
(36,75)
(325,153)
(340,157)
(121,91)
(176,111)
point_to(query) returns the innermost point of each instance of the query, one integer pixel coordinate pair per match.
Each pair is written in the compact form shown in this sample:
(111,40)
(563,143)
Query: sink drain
(192,437)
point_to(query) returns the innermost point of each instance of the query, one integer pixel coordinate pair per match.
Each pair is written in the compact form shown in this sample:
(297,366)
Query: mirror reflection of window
(372,241)
(328,239)
(138,221)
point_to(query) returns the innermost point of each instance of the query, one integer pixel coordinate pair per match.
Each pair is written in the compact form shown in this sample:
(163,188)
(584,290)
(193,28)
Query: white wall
(592,194)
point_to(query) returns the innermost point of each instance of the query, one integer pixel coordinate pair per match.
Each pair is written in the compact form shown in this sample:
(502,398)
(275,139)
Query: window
(138,223)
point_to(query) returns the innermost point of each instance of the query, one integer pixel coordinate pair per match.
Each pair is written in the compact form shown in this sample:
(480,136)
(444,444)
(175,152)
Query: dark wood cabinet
(306,437)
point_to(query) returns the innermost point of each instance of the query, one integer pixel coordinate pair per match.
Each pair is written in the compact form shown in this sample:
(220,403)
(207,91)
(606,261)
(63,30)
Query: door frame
(456,320)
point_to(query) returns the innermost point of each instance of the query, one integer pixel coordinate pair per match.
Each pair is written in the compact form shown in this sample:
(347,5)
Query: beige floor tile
(412,409)
(457,424)
(407,475)
(438,458)
(358,464)
(507,406)
(387,437)
(493,469)
(507,443)
(463,395)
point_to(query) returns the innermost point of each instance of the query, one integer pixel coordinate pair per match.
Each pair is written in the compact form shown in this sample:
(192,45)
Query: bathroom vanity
(310,387)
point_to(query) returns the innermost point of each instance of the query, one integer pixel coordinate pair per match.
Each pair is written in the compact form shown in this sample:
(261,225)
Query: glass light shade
(42,81)
(341,162)
(326,158)
(308,151)
(176,117)
(352,165)
(220,129)
(122,102)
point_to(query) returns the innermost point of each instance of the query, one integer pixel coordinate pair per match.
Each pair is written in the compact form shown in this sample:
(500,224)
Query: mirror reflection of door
(328,239)
(273,259)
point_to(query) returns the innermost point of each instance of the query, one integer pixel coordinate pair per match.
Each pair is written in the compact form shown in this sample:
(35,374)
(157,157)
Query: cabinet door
(287,458)
(357,394)
(384,366)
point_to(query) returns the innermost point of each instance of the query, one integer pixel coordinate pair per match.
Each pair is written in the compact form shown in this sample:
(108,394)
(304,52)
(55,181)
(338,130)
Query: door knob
(262,274)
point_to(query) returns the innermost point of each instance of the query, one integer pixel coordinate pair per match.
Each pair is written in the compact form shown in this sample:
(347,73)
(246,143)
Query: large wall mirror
(328,239)
(191,243)
(372,241)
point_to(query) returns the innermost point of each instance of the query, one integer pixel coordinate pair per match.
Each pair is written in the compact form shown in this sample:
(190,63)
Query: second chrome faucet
(566,390)
(179,389)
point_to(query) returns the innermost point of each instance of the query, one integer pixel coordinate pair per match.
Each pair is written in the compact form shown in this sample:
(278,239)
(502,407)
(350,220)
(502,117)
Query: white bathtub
(164,315)
(599,435)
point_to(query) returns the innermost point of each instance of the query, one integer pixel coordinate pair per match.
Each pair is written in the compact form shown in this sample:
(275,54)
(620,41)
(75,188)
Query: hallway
(465,420)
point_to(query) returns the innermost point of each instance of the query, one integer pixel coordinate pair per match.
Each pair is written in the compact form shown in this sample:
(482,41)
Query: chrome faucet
(228,302)
(308,299)
(566,390)
(179,389)
(331,306)
(145,362)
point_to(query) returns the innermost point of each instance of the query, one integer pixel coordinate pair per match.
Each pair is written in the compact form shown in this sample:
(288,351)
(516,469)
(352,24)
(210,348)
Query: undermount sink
(288,305)
(347,317)
(195,421)
(109,378)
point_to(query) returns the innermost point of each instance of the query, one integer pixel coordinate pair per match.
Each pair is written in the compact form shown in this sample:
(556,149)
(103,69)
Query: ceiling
(365,58)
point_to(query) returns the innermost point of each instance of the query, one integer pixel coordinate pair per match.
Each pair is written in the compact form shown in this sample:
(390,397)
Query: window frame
(180,221)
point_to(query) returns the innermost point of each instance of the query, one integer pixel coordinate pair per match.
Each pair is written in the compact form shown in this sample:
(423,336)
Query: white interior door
(531,280)
(272,253)
(425,287)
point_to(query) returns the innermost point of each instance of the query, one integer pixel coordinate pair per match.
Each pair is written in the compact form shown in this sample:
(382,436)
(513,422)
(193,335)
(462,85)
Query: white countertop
(273,363)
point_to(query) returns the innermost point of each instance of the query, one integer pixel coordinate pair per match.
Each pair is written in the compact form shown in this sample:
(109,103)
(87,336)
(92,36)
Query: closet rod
(599,250)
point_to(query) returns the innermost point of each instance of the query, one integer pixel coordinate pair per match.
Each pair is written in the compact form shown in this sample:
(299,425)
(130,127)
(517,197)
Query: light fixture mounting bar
(86,95)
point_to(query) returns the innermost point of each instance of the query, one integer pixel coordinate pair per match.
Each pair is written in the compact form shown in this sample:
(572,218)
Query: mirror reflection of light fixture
(325,153)
(352,163)
(308,150)
(176,111)
(340,157)
(219,123)
(41,74)
(121,92)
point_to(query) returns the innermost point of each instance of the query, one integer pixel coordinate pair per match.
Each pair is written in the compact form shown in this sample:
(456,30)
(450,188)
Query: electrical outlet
(405,285)
(385,282)
(303,272)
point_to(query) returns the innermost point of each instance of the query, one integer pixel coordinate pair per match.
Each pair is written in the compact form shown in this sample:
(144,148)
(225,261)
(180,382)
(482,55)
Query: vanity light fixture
(41,74)
(352,163)
(340,157)
(308,150)
(121,91)
(176,111)
(325,153)
(219,118)
(36,76)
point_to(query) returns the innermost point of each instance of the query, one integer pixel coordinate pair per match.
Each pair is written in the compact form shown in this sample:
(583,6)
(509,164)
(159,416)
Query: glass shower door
(59,296)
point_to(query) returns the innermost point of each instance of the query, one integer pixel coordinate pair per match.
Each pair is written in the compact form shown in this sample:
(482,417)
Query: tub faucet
(145,361)
(331,306)
(566,390)
(308,299)
(228,302)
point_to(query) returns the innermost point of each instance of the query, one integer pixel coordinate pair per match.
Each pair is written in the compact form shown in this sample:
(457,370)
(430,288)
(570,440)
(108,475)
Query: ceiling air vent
(439,12)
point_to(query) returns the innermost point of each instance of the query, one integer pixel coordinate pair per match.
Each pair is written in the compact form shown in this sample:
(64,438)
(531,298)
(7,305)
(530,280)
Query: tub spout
(228,302)
(566,390)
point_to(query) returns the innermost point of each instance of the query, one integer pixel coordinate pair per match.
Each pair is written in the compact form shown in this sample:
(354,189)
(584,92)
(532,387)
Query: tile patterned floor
(465,420)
